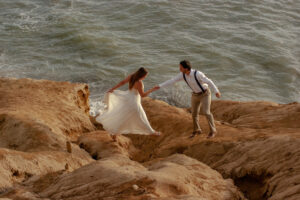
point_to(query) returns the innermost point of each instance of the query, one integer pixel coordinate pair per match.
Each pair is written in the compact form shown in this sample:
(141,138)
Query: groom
(201,96)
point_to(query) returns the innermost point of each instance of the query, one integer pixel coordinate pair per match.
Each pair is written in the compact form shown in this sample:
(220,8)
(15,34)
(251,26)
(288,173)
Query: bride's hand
(110,91)
(155,88)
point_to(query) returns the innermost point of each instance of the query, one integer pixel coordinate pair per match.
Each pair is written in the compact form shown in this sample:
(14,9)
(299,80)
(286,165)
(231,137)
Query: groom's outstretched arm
(177,78)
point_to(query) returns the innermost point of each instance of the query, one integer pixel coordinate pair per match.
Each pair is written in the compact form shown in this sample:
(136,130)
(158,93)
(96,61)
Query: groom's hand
(218,94)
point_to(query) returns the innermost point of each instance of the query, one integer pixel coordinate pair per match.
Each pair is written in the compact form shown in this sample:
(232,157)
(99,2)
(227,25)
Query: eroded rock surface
(256,150)
(117,177)
(257,145)
(37,118)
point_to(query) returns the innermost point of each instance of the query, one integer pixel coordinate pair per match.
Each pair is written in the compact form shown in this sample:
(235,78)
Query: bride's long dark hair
(140,73)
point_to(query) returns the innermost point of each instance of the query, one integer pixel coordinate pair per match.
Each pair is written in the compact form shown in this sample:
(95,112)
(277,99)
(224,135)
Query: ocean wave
(249,48)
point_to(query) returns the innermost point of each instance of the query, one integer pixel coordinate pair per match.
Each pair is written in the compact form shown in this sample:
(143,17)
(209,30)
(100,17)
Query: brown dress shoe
(195,133)
(212,134)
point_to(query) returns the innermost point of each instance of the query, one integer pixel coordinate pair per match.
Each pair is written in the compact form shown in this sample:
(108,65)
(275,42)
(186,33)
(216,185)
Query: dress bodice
(125,114)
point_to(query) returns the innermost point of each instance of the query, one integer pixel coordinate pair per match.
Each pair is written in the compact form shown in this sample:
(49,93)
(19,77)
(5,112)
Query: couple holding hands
(125,115)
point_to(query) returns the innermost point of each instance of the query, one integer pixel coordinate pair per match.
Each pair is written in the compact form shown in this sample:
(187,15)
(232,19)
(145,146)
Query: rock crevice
(254,156)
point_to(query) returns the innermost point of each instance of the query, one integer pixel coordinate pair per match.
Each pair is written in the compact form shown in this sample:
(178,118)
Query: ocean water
(250,49)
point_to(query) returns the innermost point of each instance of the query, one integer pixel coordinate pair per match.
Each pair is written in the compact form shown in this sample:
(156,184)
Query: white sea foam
(97,107)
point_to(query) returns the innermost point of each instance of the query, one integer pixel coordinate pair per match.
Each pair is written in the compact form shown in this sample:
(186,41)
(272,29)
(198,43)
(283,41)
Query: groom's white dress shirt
(203,80)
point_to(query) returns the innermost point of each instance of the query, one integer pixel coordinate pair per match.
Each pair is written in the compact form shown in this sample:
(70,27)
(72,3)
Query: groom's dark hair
(186,64)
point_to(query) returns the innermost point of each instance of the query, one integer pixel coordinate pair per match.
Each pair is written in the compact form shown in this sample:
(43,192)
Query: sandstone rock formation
(175,177)
(255,152)
(17,166)
(37,117)
(257,144)
(41,114)
(99,144)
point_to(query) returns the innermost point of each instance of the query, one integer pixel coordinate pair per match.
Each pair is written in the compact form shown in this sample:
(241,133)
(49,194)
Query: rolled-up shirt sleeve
(177,78)
(201,76)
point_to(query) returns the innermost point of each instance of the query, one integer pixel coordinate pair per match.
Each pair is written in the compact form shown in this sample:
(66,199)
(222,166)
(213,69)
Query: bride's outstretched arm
(126,80)
(140,88)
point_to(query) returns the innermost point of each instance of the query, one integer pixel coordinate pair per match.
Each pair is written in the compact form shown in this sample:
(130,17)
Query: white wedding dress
(124,114)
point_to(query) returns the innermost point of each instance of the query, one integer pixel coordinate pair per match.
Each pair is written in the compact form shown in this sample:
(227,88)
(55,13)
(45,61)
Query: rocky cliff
(254,156)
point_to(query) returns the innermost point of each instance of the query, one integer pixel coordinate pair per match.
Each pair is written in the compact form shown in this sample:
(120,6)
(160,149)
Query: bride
(124,113)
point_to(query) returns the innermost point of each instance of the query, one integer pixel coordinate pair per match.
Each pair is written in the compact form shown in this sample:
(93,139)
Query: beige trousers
(201,102)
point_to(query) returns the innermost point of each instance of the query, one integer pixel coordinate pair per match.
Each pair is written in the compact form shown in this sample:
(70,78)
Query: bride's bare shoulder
(138,84)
